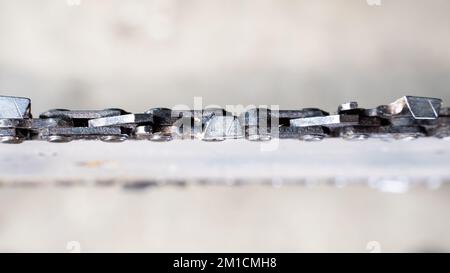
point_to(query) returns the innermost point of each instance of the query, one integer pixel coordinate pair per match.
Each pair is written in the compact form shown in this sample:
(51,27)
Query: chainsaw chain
(407,118)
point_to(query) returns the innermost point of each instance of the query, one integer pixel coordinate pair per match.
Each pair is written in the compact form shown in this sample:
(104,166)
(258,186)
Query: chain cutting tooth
(219,128)
(420,108)
(15,107)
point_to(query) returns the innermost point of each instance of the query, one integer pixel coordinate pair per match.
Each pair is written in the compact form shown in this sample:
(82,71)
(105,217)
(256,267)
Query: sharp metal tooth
(15,107)
(419,107)
(222,127)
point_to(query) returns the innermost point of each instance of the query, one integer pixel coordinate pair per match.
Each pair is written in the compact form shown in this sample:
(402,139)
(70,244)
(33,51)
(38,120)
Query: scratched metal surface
(228,162)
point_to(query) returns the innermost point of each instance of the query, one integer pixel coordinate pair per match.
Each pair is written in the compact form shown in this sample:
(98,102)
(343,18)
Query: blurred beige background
(225,219)
(295,53)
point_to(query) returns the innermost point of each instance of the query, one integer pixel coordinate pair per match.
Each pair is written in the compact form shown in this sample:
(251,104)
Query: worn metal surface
(370,162)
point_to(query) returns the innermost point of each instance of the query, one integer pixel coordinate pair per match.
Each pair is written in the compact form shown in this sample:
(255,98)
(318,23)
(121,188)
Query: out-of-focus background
(94,54)
(294,53)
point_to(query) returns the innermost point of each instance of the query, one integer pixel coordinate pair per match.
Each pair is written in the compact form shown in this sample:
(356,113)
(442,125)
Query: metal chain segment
(407,118)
